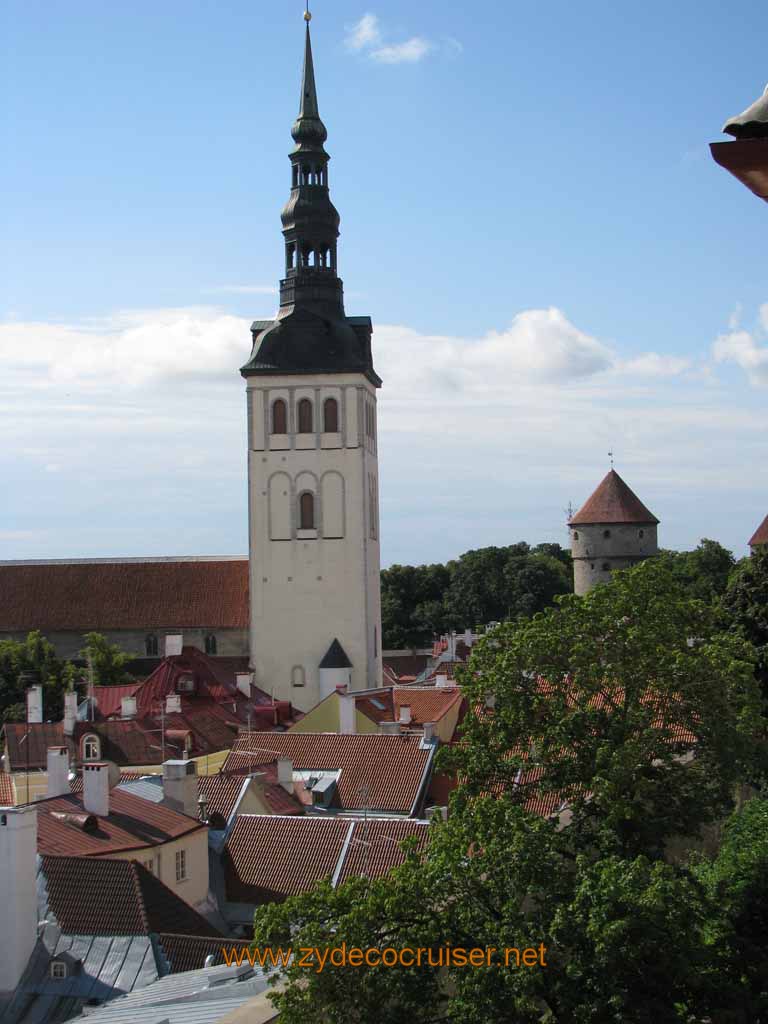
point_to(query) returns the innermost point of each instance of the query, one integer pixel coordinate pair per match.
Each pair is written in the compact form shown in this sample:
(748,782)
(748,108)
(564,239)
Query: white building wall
(18,892)
(308,587)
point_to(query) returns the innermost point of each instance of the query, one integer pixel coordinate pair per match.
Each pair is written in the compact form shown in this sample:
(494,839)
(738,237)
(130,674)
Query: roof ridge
(135,865)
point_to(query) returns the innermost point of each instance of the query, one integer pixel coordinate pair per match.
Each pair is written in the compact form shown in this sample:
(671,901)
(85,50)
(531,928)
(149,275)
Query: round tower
(612,530)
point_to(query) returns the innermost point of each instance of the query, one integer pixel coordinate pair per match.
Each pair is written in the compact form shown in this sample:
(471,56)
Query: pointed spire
(613,502)
(308,130)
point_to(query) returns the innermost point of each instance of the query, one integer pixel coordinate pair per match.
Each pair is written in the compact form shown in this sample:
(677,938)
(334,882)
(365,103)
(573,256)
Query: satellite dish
(113,773)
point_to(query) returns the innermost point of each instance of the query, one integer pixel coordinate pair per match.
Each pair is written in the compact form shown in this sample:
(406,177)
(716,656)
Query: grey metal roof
(149,788)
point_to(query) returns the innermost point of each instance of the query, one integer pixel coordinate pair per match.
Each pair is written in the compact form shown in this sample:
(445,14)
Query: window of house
(279,417)
(307,511)
(305,416)
(575,534)
(331,416)
(58,970)
(606,533)
(210,644)
(150,864)
(91,748)
(150,645)
(606,567)
(641,533)
(181,865)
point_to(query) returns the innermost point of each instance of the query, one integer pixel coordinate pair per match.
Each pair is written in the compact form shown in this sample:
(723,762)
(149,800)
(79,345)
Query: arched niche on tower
(307,505)
(332,490)
(279,513)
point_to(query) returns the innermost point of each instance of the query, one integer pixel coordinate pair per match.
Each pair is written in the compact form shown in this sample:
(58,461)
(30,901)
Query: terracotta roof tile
(101,896)
(109,698)
(222,793)
(132,824)
(407,664)
(383,772)
(427,704)
(189,952)
(7,796)
(612,502)
(760,536)
(141,595)
(268,858)
(375,847)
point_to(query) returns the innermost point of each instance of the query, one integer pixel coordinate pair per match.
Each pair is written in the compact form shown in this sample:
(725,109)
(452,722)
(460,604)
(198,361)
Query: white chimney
(35,703)
(429,732)
(243,681)
(441,679)
(405,714)
(180,786)
(18,892)
(285,773)
(128,707)
(468,638)
(173,704)
(96,788)
(173,644)
(70,712)
(347,724)
(58,771)
(490,701)
(390,728)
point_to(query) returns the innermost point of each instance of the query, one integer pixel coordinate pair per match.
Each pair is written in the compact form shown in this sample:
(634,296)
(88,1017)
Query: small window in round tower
(575,534)
(606,567)
(606,533)
(641,533)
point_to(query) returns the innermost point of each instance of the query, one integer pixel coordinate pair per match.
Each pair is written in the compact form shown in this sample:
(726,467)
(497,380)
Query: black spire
(311,333)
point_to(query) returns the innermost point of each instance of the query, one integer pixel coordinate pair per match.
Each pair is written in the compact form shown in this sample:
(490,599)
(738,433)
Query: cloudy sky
(555,266)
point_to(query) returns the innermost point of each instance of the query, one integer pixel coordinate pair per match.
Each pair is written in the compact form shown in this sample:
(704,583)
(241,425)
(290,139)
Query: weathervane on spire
(610,456)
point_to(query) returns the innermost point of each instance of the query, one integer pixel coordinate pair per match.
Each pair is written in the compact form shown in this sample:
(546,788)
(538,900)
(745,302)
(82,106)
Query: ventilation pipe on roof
(243,680)
(347,725)
(180,787)
(57,763)
(96,788)
(430,734)
(70,712)
(34,697)
(285,773)
(173,704)
(405,714)
(18,892)
(128,707)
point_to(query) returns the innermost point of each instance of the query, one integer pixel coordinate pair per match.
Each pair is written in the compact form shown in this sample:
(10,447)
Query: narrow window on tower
(279,417)
(150,645)
(210,644)
(305,416)
(307,511)
(331,416)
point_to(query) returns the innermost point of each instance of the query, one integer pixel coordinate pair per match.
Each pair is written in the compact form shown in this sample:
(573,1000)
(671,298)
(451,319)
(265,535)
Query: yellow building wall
(324,717)
(194,888)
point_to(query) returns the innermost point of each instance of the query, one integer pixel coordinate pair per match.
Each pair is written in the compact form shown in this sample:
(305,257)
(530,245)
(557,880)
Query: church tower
(313,482)
(612,530)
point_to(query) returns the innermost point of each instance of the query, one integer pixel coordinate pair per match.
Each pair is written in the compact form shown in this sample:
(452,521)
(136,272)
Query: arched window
(279,417)
(307,511)
(91,748)
(575,534)
(210,644)
(331,416)
(150,645)
(606,533)
(641,533)
(305,416)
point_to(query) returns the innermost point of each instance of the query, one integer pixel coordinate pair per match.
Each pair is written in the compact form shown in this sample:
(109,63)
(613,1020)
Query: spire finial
(307,15)
(610,456)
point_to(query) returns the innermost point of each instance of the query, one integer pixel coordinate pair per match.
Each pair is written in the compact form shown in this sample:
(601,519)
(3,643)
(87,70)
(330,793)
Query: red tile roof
(376,705)
(132,824)
(375,846)
(189,952)
(109,698)
(427,704)
(612,502)
(184,594)
(222,793)
(7,798)
(406,664)
(760,536)
(124,742)
(384,773)
(268,858)
(101,896)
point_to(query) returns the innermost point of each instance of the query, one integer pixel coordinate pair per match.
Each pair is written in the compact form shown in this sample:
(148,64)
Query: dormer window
(150,645)
(91,748)
(185,684)
(58,970)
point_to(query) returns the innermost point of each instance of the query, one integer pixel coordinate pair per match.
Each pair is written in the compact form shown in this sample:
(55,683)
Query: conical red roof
(613,502)
(760,536)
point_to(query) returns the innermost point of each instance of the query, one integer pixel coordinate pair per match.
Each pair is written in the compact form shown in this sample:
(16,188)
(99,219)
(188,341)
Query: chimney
(243,681)
(490,701)
(405,714)
(128,707)
(96,788)
(347,724)
(173,704)
(468,637)
(390,728)
(70,712)
(34,699)
(58,771)
(441,678)
(173,644)
(429,732)
(285,773)
(18,892)
(180,787)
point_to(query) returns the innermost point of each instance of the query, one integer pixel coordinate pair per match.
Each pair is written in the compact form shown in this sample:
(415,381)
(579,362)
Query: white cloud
(408,52)
(745,350)
(651,364)
(363,33)
(242,289)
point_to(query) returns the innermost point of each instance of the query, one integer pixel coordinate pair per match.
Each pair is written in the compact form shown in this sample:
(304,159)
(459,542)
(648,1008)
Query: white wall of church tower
(314,531)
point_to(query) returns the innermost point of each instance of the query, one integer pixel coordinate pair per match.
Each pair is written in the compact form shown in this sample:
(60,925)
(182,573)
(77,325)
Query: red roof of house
(375,846)
(612,502)
(384,773)
(268,858)
(189,952)
(427,704)
(760,536)
(132,824)
(100,896)
(406,664)
(109,698)
(161,594)
(222,793)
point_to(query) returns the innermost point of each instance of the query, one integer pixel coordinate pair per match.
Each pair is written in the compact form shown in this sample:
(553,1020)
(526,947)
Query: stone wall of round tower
(599,548)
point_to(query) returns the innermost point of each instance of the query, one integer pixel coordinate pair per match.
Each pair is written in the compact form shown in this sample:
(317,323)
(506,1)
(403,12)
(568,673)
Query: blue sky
(554,264)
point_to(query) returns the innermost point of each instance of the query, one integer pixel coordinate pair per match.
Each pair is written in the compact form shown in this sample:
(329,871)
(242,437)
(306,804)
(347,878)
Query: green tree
(596,702)
(34,654)
(704,572)
(412,609)
(746,606)
(107,661)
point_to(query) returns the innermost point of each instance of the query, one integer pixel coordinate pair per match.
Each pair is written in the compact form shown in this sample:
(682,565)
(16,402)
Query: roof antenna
(610,456)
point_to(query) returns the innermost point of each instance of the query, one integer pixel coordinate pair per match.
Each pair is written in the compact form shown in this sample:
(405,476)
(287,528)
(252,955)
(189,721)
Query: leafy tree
(412,604)
(597,701)
(34,654)
(746,606)
(107,661)
(703,572)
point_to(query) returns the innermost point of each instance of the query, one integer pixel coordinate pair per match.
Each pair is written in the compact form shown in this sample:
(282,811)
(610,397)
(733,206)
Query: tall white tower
(313,480)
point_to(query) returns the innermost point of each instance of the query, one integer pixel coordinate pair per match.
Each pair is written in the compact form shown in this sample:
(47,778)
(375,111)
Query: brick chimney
(58,771)
(96,788)
(180,786)
(18,892)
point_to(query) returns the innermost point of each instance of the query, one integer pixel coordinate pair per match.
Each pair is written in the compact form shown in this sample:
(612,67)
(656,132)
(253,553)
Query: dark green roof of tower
(308,128)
